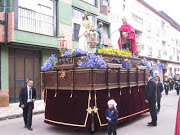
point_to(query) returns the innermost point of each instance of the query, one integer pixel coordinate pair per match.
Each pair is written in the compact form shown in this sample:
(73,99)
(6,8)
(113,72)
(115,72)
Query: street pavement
(166,123)
(14,111)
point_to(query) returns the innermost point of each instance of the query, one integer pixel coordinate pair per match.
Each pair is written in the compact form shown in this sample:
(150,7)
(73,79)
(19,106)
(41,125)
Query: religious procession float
(78,86)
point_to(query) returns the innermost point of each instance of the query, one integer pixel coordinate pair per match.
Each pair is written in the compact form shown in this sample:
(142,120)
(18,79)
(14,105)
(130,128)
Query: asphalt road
(166,123)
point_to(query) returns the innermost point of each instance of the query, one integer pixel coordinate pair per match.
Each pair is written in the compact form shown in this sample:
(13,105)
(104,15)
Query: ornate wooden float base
(77,98)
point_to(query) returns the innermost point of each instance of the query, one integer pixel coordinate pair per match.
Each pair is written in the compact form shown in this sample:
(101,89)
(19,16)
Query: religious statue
(99,31)
(84,29)
(127,38)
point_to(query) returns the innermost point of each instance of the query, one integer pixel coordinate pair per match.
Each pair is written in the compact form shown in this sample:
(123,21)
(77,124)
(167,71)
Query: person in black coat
(151,98)
(27,98)
(159,91)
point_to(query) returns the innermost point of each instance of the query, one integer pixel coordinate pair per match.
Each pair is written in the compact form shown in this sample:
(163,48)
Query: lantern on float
(62,43)
(92,37)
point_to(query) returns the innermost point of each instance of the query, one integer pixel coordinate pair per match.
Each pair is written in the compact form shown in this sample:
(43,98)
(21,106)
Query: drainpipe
(6,22)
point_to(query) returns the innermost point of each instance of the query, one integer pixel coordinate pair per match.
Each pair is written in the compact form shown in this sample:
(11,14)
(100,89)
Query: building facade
(158,35)
(29,31)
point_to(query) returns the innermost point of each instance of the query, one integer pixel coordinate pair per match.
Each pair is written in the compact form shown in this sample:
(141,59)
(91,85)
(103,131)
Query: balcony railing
(30,20)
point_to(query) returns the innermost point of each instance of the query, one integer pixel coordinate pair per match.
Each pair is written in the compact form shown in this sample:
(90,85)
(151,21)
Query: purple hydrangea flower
(49,63)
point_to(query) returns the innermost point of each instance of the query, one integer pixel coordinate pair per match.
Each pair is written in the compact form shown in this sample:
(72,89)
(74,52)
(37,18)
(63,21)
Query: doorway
(23,64)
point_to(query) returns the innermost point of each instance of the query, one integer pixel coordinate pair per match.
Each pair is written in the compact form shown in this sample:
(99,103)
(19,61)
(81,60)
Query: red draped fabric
(177,129)
(130,30)
(71,112)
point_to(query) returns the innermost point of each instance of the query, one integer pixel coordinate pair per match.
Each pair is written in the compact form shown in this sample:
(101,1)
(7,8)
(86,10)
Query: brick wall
(2,27)
(10,26)
(67,31)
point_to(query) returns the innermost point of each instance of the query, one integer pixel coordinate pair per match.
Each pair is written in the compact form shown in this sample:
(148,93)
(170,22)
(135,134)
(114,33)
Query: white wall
(152,37)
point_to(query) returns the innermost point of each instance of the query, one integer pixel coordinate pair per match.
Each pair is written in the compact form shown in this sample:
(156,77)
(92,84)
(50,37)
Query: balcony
(32,21)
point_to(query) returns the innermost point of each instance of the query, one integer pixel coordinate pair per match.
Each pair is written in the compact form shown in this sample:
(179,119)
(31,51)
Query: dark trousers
(112,129)
(27,114)
(152,109)
(158,104)
(171,86)
(166,90)
(177,90)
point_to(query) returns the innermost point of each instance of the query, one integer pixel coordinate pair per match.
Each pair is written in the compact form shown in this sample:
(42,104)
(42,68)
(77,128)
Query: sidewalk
(14,111)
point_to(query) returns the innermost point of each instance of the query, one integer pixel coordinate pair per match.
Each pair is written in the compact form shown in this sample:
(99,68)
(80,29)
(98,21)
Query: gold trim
(118,119)
(75,125)
(46,98)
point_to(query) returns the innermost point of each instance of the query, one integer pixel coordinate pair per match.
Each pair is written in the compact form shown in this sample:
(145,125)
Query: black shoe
(149,123)
(29,128)
(25,126)
(152,125)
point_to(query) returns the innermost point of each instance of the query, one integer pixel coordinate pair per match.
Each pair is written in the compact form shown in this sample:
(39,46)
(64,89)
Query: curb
(19,115)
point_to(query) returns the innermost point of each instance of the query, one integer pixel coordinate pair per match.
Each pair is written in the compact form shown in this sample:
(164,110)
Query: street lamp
(92,37)
(62,43)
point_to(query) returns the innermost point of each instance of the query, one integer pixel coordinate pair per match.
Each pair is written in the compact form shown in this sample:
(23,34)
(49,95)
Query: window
(156,26)
(164,48)
(92,2)
(76,32)
(124,7)
(37,17)
(163,27)
(77,20)
(148,22)
(104,2)
(137,19)
(174,51)
(2,6)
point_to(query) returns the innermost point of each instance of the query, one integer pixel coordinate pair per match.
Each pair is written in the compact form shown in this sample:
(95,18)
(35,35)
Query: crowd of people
(171,82)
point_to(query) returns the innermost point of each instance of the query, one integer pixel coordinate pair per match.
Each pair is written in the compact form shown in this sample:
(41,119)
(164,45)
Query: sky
(170,7)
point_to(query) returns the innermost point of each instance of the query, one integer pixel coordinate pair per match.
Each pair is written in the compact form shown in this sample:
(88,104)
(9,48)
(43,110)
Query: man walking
(151,96)
(27,98)
(159,87)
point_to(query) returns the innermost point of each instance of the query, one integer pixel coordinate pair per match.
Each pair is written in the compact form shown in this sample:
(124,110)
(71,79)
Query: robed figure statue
(84,29)
(127,38)
(99,31)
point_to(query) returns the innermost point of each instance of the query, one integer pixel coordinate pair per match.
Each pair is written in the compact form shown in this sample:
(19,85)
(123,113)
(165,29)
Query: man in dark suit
(151,98)
(27,98)
(159,91)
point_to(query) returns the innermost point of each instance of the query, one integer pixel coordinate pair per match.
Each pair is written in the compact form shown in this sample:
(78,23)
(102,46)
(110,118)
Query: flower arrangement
(115,52)
(92,61)
(74,52)
(126,64)
(146,63)
(49,63)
